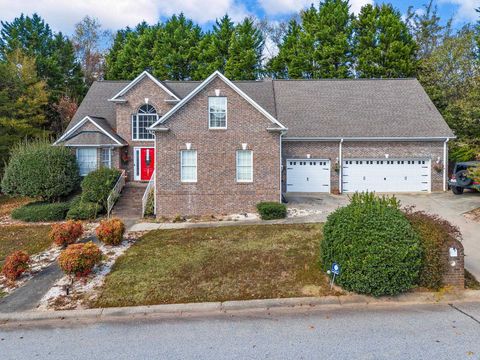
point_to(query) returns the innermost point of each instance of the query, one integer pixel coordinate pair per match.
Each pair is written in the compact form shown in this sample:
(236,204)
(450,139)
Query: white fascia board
(136,80)
(205,83)
(412,138)
(80,123)
(93,145)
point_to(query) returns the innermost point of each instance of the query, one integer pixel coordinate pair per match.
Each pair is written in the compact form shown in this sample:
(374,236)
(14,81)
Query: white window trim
(109,156)
(181,166)
(236,167)
(226,114)
(96,158)
(136,120)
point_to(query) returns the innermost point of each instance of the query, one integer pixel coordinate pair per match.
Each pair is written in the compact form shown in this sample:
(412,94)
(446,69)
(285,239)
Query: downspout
(340,167)
(445,165)
(281,166)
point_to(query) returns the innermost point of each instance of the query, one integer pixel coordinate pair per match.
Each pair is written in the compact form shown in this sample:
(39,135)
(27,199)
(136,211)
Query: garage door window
(244,166)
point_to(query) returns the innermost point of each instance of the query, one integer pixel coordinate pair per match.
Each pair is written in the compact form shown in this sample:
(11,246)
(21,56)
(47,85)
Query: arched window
(144,118)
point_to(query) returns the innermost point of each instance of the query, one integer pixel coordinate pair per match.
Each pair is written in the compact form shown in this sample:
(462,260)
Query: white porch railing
(146,194)
(115,192)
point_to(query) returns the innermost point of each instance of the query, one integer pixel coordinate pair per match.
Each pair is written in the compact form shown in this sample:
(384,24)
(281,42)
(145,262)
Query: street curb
(204,308)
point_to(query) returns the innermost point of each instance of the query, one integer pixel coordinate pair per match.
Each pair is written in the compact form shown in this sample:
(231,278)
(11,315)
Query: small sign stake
(335,270)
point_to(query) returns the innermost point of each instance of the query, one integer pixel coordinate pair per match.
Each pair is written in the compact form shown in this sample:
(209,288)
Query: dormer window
(217,112)
(144,118)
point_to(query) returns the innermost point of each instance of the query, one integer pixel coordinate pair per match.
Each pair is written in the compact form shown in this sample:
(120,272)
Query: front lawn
(30,238)
(217,264)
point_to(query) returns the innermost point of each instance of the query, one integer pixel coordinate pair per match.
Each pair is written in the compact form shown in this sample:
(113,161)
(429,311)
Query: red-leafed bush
(66,233)
(15,265)
(110,231)
(79,259)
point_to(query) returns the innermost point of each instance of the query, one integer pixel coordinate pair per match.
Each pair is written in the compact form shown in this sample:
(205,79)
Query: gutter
(403,138)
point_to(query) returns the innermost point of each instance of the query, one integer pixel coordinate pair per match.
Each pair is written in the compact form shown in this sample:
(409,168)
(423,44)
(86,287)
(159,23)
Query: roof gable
(99,123)
(201,86)
(117,97)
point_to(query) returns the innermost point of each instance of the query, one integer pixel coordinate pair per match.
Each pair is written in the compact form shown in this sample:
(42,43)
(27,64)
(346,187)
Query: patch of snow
(296,212)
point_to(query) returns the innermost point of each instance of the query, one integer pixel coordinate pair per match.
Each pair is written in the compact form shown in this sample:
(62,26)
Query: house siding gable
(216,190)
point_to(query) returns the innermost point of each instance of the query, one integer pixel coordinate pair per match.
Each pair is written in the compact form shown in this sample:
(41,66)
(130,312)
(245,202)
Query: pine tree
(245,52)
(214,48)
(383,46)
(294,60)
(112,70)
(330,29)
(23,97)
(176,49)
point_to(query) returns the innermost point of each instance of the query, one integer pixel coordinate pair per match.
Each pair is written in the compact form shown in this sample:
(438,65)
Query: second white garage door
(308,175)
(399,175)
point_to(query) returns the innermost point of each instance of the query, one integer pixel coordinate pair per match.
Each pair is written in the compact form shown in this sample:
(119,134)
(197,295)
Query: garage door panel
(398,175)
(308,175)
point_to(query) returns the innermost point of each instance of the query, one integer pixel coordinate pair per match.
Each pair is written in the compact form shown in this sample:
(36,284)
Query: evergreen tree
(112,68)
(330,28)
(383,46)
(294,58)
(245,52)
(176,49)
(213,51)
(54,55)
(23,97)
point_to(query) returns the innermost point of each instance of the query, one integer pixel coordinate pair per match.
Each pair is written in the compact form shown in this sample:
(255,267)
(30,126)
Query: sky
(117,14)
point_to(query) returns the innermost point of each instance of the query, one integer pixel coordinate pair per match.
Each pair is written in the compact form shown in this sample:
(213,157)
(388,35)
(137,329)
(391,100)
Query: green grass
(217,264)
(30,238)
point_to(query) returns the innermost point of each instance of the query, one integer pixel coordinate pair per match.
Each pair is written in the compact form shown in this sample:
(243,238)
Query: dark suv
(460,181)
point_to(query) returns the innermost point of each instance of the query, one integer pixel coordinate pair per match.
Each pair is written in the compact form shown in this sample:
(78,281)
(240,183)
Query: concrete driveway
(447,205)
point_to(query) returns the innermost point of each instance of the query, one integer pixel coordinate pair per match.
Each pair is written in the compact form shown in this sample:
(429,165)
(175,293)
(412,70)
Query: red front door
(147,163)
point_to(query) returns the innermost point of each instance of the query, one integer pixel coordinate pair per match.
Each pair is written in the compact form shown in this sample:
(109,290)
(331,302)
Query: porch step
(129,205)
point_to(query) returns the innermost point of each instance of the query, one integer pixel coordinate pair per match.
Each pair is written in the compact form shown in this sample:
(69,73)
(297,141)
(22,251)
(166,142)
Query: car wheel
(457,190)
(462,178)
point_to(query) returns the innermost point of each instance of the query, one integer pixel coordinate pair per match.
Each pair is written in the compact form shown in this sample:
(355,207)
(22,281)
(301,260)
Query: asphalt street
(394,332)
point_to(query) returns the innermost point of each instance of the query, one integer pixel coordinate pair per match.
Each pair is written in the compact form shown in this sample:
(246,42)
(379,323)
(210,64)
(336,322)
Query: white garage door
(399,175)
(308,175)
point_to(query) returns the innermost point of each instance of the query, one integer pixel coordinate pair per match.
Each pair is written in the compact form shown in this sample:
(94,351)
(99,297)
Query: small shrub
(271,210)
(83,210)
(435,234)
(110,231)
(375,245)
(79,259)
(41,211)
(66,233)
(15,265)
(96,186)
(37,169)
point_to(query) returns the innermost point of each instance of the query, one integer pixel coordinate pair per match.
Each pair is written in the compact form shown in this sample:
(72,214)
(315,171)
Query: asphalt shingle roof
(315,108)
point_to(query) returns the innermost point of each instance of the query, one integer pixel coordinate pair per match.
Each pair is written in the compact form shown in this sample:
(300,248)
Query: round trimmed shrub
(66,233)
(15,265)
(79,259)
(110,231)
(39,170)
(41,211)
(271,210)
(375,245)
(96,186)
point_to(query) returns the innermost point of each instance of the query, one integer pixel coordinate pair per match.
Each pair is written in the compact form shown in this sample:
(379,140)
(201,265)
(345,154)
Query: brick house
(219,147)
